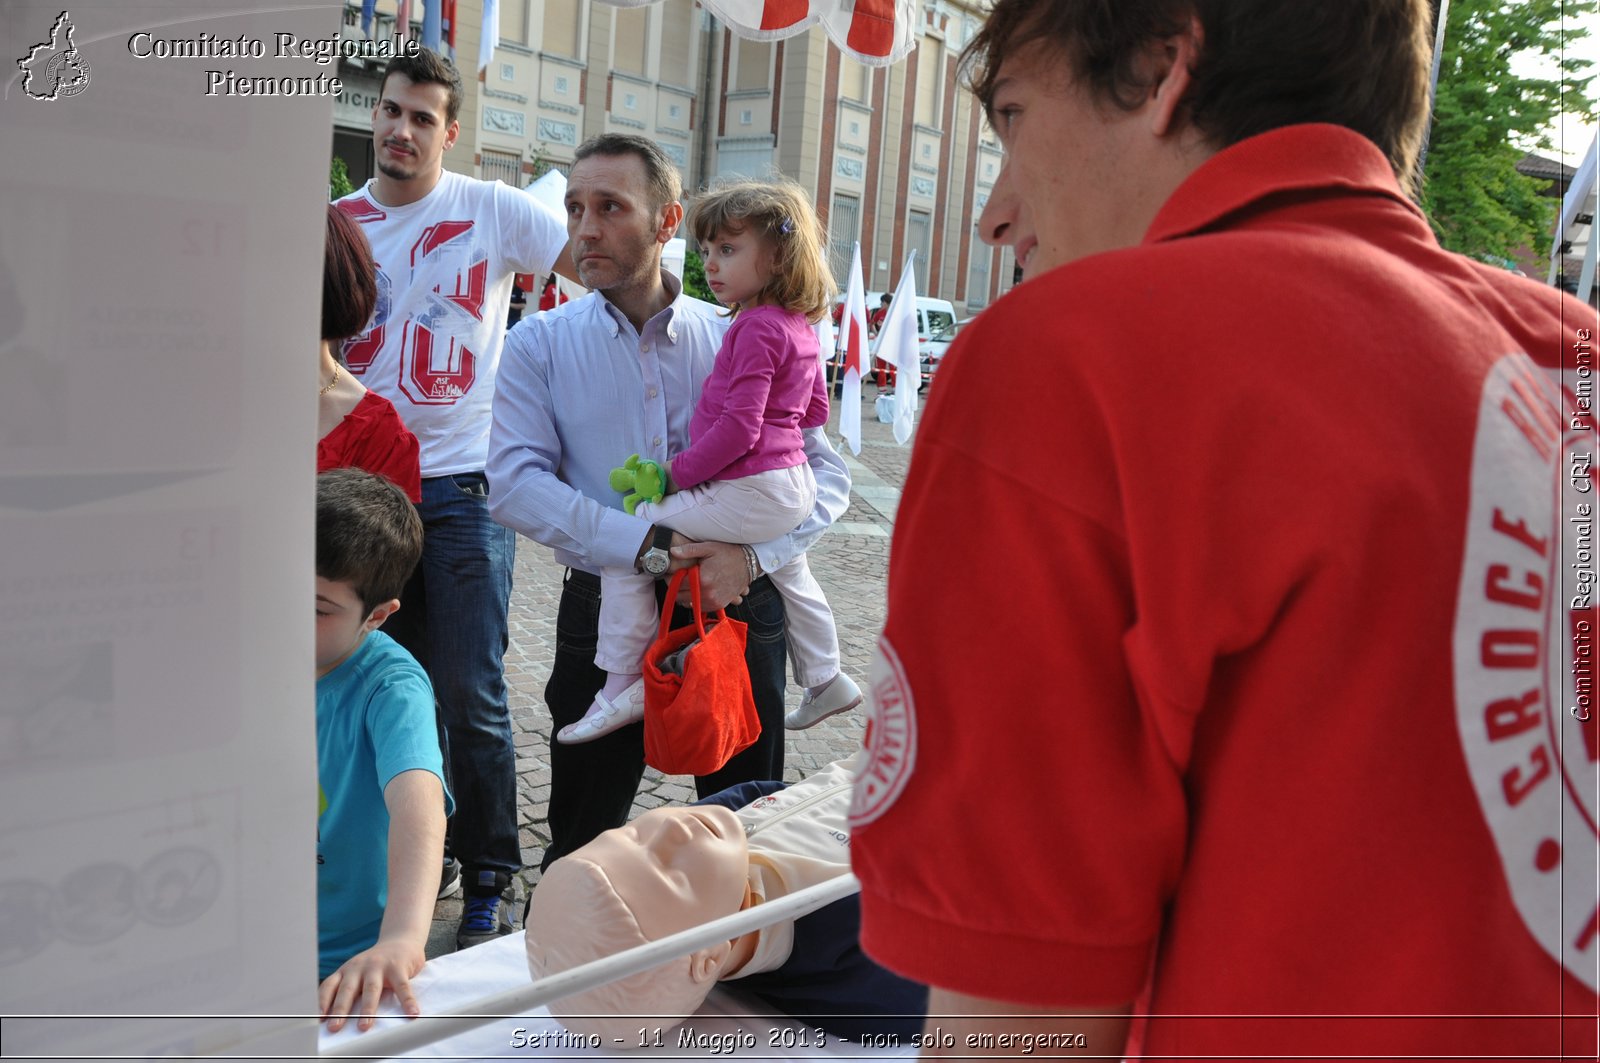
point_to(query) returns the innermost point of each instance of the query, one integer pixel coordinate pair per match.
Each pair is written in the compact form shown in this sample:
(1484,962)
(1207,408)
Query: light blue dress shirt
(579,390)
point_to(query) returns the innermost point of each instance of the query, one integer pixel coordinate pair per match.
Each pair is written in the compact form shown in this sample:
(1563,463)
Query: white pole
(396,1042)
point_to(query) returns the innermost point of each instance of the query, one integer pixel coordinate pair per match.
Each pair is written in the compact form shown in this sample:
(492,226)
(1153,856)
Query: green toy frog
(641,480)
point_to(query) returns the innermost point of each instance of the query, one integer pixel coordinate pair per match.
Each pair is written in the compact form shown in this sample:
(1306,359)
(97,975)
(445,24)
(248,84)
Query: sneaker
(606,715)
(485,917)
(841,695)
(450,878)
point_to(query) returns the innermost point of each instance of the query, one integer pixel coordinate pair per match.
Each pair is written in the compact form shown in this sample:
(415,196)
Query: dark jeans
(592,785)
(453,620)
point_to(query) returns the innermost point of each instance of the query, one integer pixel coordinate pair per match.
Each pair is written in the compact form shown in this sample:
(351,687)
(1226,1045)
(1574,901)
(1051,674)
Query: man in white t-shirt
(447,247)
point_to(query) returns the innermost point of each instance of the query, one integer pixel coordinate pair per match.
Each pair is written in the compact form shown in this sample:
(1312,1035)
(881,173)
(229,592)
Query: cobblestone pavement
(850,561)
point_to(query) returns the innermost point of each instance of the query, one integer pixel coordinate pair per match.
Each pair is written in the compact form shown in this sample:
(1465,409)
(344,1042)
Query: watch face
(656,562)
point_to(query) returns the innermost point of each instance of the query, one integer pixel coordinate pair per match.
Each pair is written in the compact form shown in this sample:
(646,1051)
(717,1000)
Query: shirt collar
(664,320)
(1300,158)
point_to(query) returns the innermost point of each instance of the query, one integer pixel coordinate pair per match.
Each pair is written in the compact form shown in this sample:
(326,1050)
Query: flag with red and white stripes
(874,32)
(853,336)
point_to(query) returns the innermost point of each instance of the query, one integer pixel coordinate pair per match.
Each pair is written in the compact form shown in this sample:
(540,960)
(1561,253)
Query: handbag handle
(693,572)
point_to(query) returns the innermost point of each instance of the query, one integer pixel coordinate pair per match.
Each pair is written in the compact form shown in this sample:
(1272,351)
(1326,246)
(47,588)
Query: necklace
(331,380)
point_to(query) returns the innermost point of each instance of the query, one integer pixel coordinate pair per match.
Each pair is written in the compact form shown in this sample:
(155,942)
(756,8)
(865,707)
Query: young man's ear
(379,614)
(1176,56)
(450,134)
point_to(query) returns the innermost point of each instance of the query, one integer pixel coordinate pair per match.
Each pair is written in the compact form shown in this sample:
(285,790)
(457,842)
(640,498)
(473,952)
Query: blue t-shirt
(375,719)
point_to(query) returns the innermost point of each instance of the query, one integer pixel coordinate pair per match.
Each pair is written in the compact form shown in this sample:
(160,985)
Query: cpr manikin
(674,868)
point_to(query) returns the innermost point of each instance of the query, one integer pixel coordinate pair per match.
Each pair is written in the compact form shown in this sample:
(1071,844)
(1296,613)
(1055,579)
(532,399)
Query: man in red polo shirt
(1235,692)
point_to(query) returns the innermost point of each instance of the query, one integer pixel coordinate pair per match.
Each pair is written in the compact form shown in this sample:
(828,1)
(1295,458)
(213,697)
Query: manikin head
(668,870)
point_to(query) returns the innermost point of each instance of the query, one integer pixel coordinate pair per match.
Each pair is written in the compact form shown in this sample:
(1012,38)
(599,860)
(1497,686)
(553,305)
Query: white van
(936,319)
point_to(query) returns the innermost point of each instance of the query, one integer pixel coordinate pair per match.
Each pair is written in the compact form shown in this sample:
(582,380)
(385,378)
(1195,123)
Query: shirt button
(656,441)
(644,348)
(652,393)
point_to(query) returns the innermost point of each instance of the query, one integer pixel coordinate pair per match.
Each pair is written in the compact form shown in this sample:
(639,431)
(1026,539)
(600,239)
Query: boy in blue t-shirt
(382,801)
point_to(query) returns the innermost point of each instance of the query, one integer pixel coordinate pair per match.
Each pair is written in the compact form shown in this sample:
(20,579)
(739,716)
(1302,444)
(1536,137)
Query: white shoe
(606,715)
(841,695)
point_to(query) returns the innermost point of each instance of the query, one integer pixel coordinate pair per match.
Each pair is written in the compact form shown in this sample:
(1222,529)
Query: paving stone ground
(850,561)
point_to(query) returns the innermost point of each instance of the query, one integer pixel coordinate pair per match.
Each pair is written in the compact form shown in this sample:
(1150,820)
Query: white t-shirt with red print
(445,269)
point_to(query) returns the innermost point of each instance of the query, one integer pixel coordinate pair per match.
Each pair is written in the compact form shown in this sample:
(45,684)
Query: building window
(978,273)
(930,79)
(844,224)
(502,166)
(561,27)
(919,235)
(754,66)
(744,159)
(630,40)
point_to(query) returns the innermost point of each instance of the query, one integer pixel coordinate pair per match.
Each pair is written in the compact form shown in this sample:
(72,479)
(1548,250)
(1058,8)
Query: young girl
(744,478)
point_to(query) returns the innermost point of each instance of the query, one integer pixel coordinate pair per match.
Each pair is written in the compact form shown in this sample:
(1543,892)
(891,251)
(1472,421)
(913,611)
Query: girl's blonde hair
(779,212)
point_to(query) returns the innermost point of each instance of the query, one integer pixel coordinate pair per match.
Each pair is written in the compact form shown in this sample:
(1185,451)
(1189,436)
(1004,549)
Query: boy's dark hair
(1361,64)
(666,186)
(427,67)
(349,278)
(368,534)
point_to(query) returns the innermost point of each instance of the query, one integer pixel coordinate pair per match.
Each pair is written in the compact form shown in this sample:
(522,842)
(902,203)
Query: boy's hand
(360,983)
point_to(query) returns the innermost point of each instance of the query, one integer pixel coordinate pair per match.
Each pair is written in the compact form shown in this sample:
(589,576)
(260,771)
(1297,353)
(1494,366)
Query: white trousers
(751,509)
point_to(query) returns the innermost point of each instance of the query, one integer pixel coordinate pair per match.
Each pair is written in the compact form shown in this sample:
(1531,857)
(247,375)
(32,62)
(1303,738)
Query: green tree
(694,276)
(1486,117)
(339,179)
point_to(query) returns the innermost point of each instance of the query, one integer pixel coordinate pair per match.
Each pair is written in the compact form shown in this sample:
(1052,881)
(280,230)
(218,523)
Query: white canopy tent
(1574,231)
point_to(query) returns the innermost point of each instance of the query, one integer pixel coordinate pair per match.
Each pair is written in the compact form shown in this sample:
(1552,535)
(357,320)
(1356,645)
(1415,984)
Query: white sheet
(727,1025)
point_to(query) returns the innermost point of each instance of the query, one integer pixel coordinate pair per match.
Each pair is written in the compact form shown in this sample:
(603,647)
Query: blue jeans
(452,618)
(592,785)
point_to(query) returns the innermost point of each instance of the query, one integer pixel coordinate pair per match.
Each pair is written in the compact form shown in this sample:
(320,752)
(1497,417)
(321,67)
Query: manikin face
(738,266)
(410,132)
(675,867)
(1061,193)
(615,232)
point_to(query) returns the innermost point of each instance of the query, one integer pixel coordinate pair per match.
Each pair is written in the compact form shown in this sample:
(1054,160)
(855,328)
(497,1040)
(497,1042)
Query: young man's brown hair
(428,67)
(1361,64)
(368,534)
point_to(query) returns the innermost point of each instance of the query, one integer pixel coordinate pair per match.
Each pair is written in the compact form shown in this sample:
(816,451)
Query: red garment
(884,371)
(372,437)
(1208,639)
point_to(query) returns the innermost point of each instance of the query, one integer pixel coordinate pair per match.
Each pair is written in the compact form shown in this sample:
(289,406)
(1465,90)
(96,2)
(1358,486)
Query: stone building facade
(897,157)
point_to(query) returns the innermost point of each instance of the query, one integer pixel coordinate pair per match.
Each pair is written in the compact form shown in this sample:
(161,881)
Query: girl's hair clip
(787,227)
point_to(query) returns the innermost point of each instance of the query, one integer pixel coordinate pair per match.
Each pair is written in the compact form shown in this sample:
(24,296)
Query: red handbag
(695,721)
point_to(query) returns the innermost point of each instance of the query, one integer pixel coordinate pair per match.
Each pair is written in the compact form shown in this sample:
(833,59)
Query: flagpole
(1433,88)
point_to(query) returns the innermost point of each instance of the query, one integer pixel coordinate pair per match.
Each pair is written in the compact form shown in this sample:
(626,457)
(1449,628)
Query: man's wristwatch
(657,559)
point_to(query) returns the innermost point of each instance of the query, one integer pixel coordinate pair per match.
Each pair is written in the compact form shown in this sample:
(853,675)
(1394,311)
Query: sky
(1570,135)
